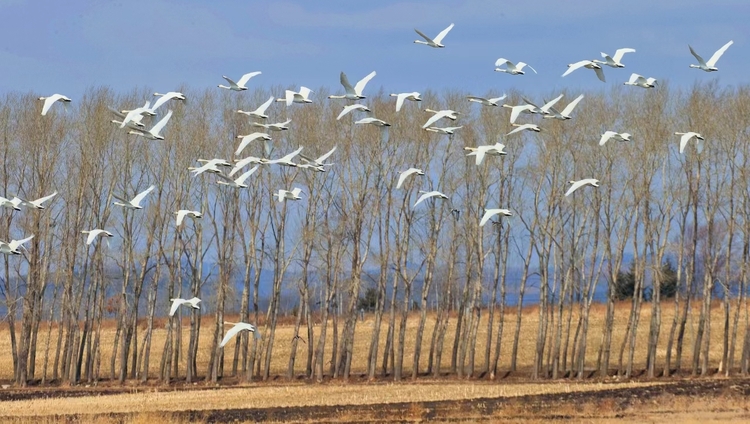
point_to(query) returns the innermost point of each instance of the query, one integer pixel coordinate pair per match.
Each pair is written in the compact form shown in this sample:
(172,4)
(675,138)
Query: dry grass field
(529,324)
(446,399)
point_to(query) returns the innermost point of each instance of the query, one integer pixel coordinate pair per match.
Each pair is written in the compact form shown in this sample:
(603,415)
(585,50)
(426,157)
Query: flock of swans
(132,121)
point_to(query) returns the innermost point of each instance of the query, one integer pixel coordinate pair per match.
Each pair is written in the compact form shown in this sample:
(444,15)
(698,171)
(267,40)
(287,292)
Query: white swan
(351,108)
(238,182)
(136,202)
(38,203)
(136,121)
(614,61)
(515,111)
(49,101)
(580,183)
(487,102)
(353,93)
(640,81)
(240,326)
(11,248)
(400,97)
(613,135)
(260,112)
(163,98)
(154,132)
(489,213)
(404,175)
(588,64)
(524,127)
(209,165)
(136,115)
(239,85)
(93,234)
(439,114)
(427,194)
(285,160)
(686,136)
(294,194)
(182,213)
(544,110)
(565,114)
(247,139)
(373,121)
(14,203)
(433,42)
(176,303)
(244,162)
(710,65)
(444,130)
(279,126)
(301,96)
(317,164)
(488,150)
(511,68)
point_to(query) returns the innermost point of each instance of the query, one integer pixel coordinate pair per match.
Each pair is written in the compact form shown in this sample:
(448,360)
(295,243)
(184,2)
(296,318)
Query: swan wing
(488,214)
(160,125)
(573,66)
(138,198)
(245,78)
(15,244)
(231,333)
(400,100)
(576,185)
(363,82)
(620,53)
(717,55)
(230,81)
(175,305)
(262,108)
(572,105)
(421,34)
(442,34)
(322,159)
(243,177)
(346,110)
(600,74)
(345,82)
(697,56)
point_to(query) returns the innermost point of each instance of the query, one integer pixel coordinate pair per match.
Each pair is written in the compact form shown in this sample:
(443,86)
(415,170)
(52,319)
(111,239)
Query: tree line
(682,217)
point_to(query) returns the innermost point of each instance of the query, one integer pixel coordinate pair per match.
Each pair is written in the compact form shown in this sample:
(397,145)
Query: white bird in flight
(163,98)
(285,160)
(439,114)
(511,68)
(182,213)
(49,101)
(373,121)
(687,136)
(93,234)
(489,213)
(238,182)
(427,194)
(433,42)
(400,97)
(580,183)
(301,96)
(488,150)
(710,65)
(210,165)
(524,127)
(353,93)
(240,326)
(317,164)
(640,81)
(614,61)
(588,64)
(279,126)
(176,303)
(350,108)
(487,102)
(444,130)
(154,132)
(515,111)
(294,194)
(404,175)
(38,203)
(612,135)
(239,85)
(136,202)
(565,114)
(244,162)
(544,110)
(260,112)
(247,139)
(14,203)
(11,248)
(135,115)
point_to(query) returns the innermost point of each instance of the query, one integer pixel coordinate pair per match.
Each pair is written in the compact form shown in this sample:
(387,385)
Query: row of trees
(354,230)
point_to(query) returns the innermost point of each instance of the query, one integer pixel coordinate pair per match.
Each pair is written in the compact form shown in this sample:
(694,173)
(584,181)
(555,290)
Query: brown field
(529,324)
(447,399)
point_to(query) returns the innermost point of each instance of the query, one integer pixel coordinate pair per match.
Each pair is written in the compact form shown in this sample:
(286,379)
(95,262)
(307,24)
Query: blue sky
(68,46)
